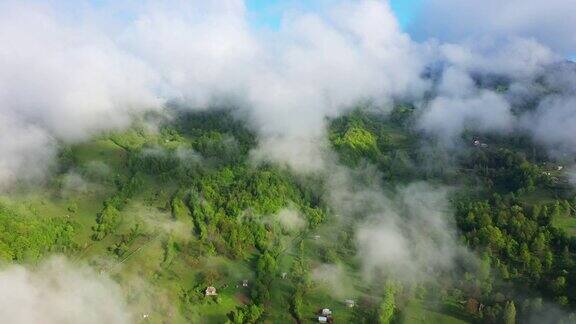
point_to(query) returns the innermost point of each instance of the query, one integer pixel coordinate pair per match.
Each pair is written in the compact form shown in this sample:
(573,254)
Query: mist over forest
(178,162)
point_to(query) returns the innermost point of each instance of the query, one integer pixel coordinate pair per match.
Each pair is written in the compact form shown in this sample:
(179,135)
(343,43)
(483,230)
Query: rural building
(211,291)
(325,316)
(349,303)
(478,143)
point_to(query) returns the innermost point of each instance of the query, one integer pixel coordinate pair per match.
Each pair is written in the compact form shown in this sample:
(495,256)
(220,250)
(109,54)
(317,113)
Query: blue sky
(405,10)
(267,13)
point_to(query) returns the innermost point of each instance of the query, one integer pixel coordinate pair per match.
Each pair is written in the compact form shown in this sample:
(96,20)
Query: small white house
(350,303)
(211,291)
(326,312)
(322,319)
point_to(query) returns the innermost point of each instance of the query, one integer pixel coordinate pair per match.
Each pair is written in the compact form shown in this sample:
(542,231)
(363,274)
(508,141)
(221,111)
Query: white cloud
(59,82)
(291,219)
(548,22)
(58,292)
(447,117)
(408,233)
(554,123)
(65,78)
(26,151)
(513,57)
(70,77)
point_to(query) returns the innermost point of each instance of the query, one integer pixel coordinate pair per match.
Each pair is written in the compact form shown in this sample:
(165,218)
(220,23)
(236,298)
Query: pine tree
(509,316)
(388,305)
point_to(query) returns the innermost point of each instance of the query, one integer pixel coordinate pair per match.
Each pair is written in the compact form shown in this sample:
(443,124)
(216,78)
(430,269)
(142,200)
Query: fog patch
(159,222)
(553,124)
(291,219)
(407,233)
(571,173)
(74,183)
(188,155)
(27,151)
(300,154)
(448,117)
(58,291)
(333,278)
(413,238)
(97,169)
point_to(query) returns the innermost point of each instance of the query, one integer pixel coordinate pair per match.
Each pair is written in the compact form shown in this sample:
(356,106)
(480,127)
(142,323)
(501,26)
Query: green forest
(186,209)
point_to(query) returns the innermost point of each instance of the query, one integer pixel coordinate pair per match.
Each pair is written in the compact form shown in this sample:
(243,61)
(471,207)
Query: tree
(388,305)
(297,302)
(558,285)
(254,312)
(509,316)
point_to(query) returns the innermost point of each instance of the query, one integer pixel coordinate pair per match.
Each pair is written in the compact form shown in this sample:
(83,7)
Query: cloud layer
(59,82)
(548,22)
(58,292)
(71,71)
